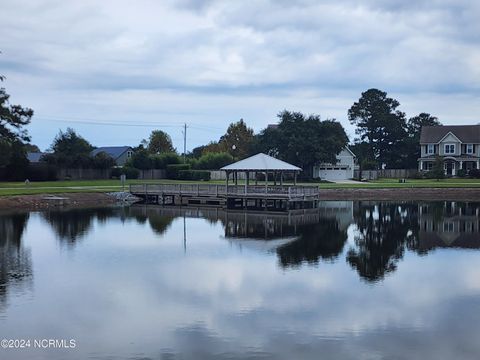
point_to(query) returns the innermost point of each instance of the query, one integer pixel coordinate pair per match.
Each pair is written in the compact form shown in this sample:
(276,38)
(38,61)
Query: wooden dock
(255,197)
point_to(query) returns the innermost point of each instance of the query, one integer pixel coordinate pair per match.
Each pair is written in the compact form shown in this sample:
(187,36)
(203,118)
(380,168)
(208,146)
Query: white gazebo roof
(261,162)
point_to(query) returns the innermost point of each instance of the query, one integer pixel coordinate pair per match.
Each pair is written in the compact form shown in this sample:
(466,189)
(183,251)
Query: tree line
(385,139)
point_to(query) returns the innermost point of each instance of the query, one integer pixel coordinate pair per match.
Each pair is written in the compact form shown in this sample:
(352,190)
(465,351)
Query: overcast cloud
(208,63)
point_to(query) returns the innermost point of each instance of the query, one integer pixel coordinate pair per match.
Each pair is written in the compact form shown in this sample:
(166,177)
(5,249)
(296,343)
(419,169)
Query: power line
(103,123)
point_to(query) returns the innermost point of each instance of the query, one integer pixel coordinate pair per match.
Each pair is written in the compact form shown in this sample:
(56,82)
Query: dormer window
(469,148)
(129,153)
(430,149)
(449,149)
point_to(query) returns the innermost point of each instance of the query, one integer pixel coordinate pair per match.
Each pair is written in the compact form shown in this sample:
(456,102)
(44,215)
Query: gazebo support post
(256,178)
(246,183)
(281,178)
(275,178)
(295,179)
(236,178)
(266,181)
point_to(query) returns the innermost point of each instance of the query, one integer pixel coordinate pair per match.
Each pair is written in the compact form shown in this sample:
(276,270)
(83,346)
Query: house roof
(465,133)
(34,157)
(261,162)
(113,151)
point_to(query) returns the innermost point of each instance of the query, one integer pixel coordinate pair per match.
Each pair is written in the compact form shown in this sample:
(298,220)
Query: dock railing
(290,192)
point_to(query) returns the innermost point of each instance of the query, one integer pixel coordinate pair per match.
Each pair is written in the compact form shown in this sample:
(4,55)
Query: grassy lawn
(53,187)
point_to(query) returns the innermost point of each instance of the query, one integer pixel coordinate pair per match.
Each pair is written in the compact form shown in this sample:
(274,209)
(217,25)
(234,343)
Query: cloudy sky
(115,70)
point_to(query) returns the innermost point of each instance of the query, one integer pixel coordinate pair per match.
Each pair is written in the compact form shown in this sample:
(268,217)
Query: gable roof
(465,133)
(34,157)
(261,162)
(113,151)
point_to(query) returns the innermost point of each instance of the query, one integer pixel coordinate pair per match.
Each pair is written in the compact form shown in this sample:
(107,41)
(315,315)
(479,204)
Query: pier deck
(232,196)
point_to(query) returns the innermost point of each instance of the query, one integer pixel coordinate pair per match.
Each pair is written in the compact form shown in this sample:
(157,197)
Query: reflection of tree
(70,225)
(322,240)
(15,261)
(160,224)
(384,230)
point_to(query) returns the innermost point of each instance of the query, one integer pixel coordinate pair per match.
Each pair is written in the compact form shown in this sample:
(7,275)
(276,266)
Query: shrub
(161,161)
(140,160)
(214,161)
(102,161)
(461,173)
(416,175)
(41,172)
(173,170)
(368,164)
(130,172)
(194,175)
(474,173)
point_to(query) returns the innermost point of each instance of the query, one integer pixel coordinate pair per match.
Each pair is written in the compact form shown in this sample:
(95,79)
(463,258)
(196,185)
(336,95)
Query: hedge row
(194,175)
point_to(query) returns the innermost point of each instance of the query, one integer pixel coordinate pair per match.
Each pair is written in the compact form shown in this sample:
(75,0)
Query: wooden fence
(386,173)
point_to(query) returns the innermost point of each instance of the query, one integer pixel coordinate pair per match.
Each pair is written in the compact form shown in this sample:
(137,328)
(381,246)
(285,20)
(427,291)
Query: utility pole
(185,144)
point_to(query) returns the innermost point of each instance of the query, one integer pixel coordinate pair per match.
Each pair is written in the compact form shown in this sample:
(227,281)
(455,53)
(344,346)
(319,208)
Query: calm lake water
(350,280)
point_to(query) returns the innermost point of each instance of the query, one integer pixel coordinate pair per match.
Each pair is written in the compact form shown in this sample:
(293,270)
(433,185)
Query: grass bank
(56,187)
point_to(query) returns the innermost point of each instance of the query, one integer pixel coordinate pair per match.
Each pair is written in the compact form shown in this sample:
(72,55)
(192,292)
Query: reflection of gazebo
(261,163)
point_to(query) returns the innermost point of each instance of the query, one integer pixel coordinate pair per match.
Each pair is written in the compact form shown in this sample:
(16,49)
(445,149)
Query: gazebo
(261,163)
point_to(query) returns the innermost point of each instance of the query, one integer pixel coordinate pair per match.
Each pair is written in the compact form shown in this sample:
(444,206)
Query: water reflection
(448,225)
(382,231)
(249,285)
(15,260)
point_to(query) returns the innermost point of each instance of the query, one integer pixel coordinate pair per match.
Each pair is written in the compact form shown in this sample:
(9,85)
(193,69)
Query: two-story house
(458,145)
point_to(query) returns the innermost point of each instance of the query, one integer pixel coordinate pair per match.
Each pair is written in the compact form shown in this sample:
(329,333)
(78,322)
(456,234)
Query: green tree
(415,124)
(237,140)
(380,124)
(304,140)
(412,142)
(364,154)
(13,135)
(18,162)
(13,119)
(160,142)
(102,161)
(437,171)
(70,150)
(140,160)
(31,148)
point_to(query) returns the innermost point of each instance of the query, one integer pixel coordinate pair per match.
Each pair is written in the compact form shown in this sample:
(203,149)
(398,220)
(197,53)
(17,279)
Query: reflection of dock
(265,225)
(251,197)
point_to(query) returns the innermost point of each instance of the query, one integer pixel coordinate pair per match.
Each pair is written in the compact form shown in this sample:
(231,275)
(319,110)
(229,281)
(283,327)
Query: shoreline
(56,201)
(96,199)
(409,194)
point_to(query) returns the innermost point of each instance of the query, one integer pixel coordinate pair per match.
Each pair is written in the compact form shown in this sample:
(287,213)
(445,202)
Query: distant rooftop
(261,162)
(113,151)
(466,133)
(34,157)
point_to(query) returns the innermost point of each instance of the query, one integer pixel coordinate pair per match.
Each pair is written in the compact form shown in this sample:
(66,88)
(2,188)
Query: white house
(342,170)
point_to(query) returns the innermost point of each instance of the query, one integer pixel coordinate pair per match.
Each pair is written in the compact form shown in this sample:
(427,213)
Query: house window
(129,154)
(430,149)
(469,148)
(449,148)
(448,227)
(427,165)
